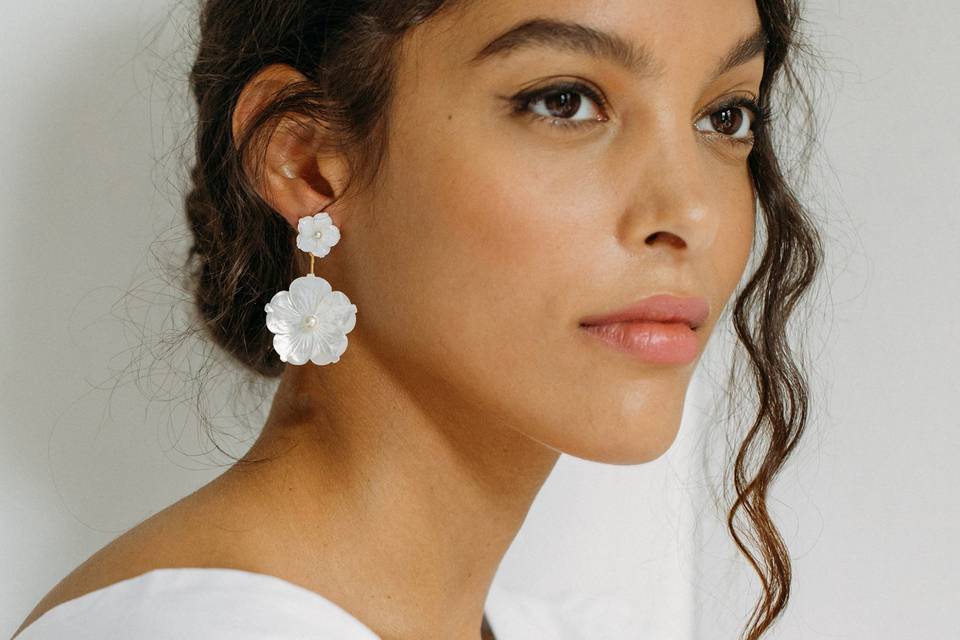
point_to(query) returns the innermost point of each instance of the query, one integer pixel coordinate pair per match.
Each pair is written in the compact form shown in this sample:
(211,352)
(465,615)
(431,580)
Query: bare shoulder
(177,536)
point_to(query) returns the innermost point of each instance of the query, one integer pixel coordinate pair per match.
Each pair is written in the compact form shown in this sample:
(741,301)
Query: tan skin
(402,473)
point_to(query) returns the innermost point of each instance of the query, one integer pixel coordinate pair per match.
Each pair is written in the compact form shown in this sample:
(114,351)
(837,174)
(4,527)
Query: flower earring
(310,322)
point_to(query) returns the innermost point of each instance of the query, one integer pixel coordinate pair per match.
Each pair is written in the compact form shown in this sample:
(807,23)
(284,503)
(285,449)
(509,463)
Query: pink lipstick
(659,329)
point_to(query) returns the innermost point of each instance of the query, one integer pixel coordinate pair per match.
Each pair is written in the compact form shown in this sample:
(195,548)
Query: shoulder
(159,573)
(98,572)
(136,551)
(214,603)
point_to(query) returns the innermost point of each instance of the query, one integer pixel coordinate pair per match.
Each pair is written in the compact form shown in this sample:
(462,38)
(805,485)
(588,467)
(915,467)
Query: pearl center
(317,235)
(310,321)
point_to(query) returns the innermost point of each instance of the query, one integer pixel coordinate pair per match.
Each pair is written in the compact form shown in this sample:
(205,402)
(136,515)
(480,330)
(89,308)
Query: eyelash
(522,101)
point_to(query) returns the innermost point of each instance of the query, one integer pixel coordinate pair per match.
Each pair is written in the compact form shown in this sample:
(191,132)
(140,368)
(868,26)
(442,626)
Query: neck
(390,499)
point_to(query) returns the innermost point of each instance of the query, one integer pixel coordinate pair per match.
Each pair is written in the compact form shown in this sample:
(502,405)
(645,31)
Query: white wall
(91,112)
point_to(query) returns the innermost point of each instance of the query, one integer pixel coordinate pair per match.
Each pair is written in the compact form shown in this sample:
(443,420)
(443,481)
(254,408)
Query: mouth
(655,342)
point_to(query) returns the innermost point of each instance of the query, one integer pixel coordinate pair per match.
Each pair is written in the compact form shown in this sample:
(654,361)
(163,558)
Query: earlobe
(294,184)
(300,179)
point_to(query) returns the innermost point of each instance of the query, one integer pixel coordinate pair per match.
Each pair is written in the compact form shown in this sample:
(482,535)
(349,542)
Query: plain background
(97,436)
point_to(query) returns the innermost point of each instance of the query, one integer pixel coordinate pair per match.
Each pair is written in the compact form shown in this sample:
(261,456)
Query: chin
(639,450)
(641,428)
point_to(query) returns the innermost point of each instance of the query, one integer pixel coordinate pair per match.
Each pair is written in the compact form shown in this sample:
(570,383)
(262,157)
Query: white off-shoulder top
(231,604)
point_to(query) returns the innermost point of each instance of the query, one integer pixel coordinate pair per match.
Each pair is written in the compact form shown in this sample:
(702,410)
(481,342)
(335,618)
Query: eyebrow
(581,38)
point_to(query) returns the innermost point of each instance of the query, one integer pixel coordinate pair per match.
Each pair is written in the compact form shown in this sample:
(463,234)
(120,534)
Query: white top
(232,604)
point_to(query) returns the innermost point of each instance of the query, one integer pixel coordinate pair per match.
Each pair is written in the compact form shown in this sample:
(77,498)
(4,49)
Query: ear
(295,180)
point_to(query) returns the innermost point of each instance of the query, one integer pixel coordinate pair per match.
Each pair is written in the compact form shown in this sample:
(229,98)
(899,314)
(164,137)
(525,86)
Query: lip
(658,329)
(656,342)
(691,311)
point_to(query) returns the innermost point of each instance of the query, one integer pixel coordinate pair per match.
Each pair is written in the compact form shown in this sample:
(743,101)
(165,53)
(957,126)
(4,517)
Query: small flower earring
(311,320)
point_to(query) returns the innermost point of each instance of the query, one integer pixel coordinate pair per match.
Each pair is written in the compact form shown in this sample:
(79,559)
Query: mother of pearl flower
(310,322)
(317,234)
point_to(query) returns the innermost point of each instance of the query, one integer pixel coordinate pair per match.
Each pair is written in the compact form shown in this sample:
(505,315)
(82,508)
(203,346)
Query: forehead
(662,35)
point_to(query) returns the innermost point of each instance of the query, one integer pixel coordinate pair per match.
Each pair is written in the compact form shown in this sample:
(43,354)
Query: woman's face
(496,226)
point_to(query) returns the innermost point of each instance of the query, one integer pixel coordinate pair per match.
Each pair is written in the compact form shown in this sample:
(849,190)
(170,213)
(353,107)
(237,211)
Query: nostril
(672,239)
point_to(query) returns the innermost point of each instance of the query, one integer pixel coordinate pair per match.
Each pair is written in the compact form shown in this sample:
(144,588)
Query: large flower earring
(311,321)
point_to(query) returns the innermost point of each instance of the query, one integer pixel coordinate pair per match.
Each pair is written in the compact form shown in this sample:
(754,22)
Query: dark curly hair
(243,252)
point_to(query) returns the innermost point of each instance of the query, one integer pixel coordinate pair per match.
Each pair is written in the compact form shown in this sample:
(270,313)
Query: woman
(528,218)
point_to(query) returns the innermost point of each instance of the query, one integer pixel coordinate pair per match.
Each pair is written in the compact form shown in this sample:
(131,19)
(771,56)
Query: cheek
(728,250)
(738,242)
(471,271)
(500,255)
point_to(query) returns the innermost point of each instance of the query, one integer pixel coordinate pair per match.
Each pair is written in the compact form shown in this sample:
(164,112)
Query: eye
(562,105)
(737,120)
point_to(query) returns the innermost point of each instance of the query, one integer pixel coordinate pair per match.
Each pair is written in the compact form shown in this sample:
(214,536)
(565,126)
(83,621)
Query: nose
(669,208)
